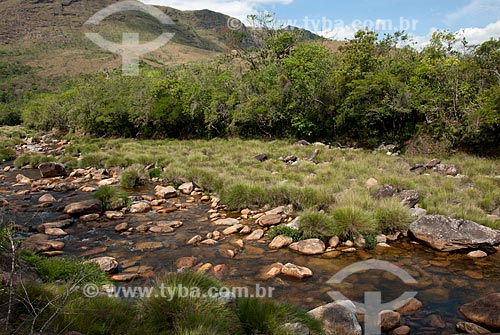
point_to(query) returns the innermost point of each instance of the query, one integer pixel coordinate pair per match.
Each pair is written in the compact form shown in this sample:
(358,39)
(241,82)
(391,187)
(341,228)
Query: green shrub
(314,224)
(155,173)
(244,195)
(112,197)
(7,154)
(350,221)
(65,269)
(392,216)
(134,176)
(370,240)
(268,317)
(33,159)
(173,310)
(275,231)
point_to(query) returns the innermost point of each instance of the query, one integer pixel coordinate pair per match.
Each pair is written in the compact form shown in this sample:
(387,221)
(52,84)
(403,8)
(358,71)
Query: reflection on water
(445,281)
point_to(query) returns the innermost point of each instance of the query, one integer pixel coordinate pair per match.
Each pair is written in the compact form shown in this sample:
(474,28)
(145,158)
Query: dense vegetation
(371,90)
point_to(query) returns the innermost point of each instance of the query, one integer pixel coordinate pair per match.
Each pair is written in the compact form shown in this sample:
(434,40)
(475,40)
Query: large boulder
(84,207)
(484,311)
(446,234)
(312,246)
(338,318)
(51,170)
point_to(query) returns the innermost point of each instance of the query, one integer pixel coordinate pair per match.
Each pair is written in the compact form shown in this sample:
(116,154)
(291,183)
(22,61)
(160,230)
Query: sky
(476,20)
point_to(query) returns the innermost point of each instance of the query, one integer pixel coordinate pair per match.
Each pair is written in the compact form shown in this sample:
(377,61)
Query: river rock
(22,179)
(471,328)
(227,222)
(403,330)
(55,232)
(148,245)
(269,220)
(412,306)
(121,227)
(338,318)
(371,182)
(296,328)
(334,242)
(299,272)
(484,311)
(194,240)
(106,264)
(41,243)
(140,207)
(446,234)
(255,235)
(161,229)
(477,254)
(186,188)
(280,241)
(186,262)
(162,192)
(93,206)
(433,163)
(312,246)
(108,182)
(384,191)
(89,217)
(121,277)
(57,224)
(47,198)
(114,215)
(389,320)
(271,271)
(51,170)
(233,229)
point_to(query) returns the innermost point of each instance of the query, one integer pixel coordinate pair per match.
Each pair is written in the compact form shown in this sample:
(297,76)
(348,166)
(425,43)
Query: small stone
(433,163)
(238,243)
(349,250)
(108,182)
(47,198)
(271,271)
(296,328)
(269,220)
(246,230)
(105,263)
(471,328)
(437,321)
(309,247)
(219,271)
(93,206)
(161,230)
(89,217)
(255,235)
(140,207)
(114,215)
(261,157)
(121,227)
(208,242)
(186,262)
(296,271)
(204,268)
(389,320)
(280,241)
(187,188)
(148,245)
(233,229)
(446,169)
(409,197)
(371,182)
(55,232)
(195,239)
(383,245)
(403,330)
(165,192)
(477,254)
(121,277)
(334,242)
(227,222)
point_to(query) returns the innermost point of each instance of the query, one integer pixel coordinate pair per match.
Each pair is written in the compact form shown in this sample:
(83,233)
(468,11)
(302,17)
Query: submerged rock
(299,272)
(309,247)
(93,206)
(338,318)
(446,234)
(484,311)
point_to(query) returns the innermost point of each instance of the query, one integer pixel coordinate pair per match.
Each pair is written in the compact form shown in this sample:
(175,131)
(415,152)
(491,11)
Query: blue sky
(479,20)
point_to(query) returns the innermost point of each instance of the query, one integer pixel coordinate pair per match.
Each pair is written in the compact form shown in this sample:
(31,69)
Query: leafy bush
(7,154)
(155,173)
(275,231)
(134,176)
(112,198)
(314,224)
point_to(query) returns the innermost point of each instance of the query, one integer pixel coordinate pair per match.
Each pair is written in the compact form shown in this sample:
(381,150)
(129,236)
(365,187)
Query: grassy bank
(336,184)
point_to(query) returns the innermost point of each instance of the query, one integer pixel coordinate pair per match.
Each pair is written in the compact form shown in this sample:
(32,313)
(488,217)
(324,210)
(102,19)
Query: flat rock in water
(269,220)
(446,234)
(40,243)
(47,198)
(312,246)
(255,235)
(299,272)
(187,188)
(93,206)
(148,245)
(471,328)
(162,192)
(227,222)
(280,241)
(484,311)
(106,264)
(140,207)
(338,318)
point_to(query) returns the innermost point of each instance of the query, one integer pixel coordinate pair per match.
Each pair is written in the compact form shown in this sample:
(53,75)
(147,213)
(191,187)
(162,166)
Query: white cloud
(479,35)
(339,33)
(476,12)
(234,8)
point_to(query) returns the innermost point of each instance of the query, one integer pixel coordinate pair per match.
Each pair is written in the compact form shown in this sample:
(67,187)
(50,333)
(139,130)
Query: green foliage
(155,173)
(392,216)
(112,197)
(133,176)
(268,317)
(349,221)
(370,241)
(33,159)
(275,231)
(7,154)
(314,224)
(65,269)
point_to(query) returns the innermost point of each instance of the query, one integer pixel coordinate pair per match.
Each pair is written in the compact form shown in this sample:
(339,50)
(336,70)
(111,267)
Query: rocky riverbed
(168,229)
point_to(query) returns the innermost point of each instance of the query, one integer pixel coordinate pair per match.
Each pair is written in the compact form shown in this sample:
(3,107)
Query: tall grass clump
(352,221)
(7,154)
(112,198)
(275,231)
(33,159)
(392,216)
(314,224)
(134,176)
(268,317)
